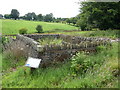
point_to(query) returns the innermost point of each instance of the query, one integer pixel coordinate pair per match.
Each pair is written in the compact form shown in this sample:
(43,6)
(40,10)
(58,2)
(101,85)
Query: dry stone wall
(69,47)
(42,36)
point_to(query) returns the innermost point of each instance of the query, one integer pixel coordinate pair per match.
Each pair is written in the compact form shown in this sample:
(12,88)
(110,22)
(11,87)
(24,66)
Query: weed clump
(23,31)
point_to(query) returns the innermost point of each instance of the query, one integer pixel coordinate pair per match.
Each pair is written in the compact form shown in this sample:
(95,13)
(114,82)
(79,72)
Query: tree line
(32,16)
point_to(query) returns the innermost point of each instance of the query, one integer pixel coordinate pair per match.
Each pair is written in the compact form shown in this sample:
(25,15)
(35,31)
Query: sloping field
(13,26)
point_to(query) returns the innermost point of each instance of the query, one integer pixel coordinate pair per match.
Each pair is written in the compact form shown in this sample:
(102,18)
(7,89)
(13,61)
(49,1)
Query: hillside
(13,26)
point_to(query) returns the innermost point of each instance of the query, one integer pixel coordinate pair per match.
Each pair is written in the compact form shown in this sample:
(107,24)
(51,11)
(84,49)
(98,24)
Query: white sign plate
(33,62)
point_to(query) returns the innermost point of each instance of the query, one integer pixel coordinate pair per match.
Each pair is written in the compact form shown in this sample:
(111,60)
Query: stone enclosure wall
(53,53)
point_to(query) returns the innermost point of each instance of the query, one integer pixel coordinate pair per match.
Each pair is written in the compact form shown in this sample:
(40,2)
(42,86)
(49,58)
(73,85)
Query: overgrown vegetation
(13,54)
(108,34)
(23,31)
(50,41)
(82,71)
(113,34)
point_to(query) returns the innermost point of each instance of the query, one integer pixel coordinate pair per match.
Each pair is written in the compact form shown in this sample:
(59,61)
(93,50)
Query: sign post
(33,63)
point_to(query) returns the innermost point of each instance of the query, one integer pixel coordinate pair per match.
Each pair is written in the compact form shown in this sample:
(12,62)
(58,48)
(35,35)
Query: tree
(34,16)
(102,15)
(48,17)
(68,20)
(39,28)
(30,16)
(39,17)
(73,20)
(7,16)
(14,14)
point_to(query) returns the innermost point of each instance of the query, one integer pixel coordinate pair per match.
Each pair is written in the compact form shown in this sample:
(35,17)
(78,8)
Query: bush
(100,48)
(82,25)
(39,28)
(23,31)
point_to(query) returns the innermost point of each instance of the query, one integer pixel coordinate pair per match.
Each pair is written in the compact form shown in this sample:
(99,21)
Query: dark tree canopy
(30,16)
(48,17)
(40,17)
(7,16)
(14,14)
(102,15)
(39,28)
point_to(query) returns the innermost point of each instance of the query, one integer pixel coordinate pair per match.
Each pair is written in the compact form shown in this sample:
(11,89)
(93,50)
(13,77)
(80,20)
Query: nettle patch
(54,48)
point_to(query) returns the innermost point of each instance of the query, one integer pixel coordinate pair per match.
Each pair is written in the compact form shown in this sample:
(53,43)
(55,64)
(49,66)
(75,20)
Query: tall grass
(50,41)
(102,74)
(106,34)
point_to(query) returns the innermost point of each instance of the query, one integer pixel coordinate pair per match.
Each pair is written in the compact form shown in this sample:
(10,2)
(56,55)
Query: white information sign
(33,62)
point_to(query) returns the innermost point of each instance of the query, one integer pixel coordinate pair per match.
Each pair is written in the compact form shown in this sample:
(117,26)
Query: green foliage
(102,15)
(82,25)
(5,40)
(68,21)
(100,48)
(50,41)
(40,17)
(14,14)
(81,62)
(39,28)
(30,16)
(109,33)
(48,17)
(7,16)
(10,61)
(23,31)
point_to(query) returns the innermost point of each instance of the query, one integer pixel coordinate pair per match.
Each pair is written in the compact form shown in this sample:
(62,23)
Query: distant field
(13,26)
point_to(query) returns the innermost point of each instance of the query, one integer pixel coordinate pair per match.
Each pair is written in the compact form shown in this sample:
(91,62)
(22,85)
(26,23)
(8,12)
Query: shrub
(81,62)
(82,25)
(23,31)
(100,48)
(39,28)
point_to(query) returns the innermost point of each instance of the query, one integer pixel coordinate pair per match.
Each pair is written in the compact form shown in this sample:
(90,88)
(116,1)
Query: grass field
(13,26)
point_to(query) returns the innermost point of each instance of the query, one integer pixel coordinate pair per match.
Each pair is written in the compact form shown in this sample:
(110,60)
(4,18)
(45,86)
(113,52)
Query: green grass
(102,75)
(13,26)
(106,34)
